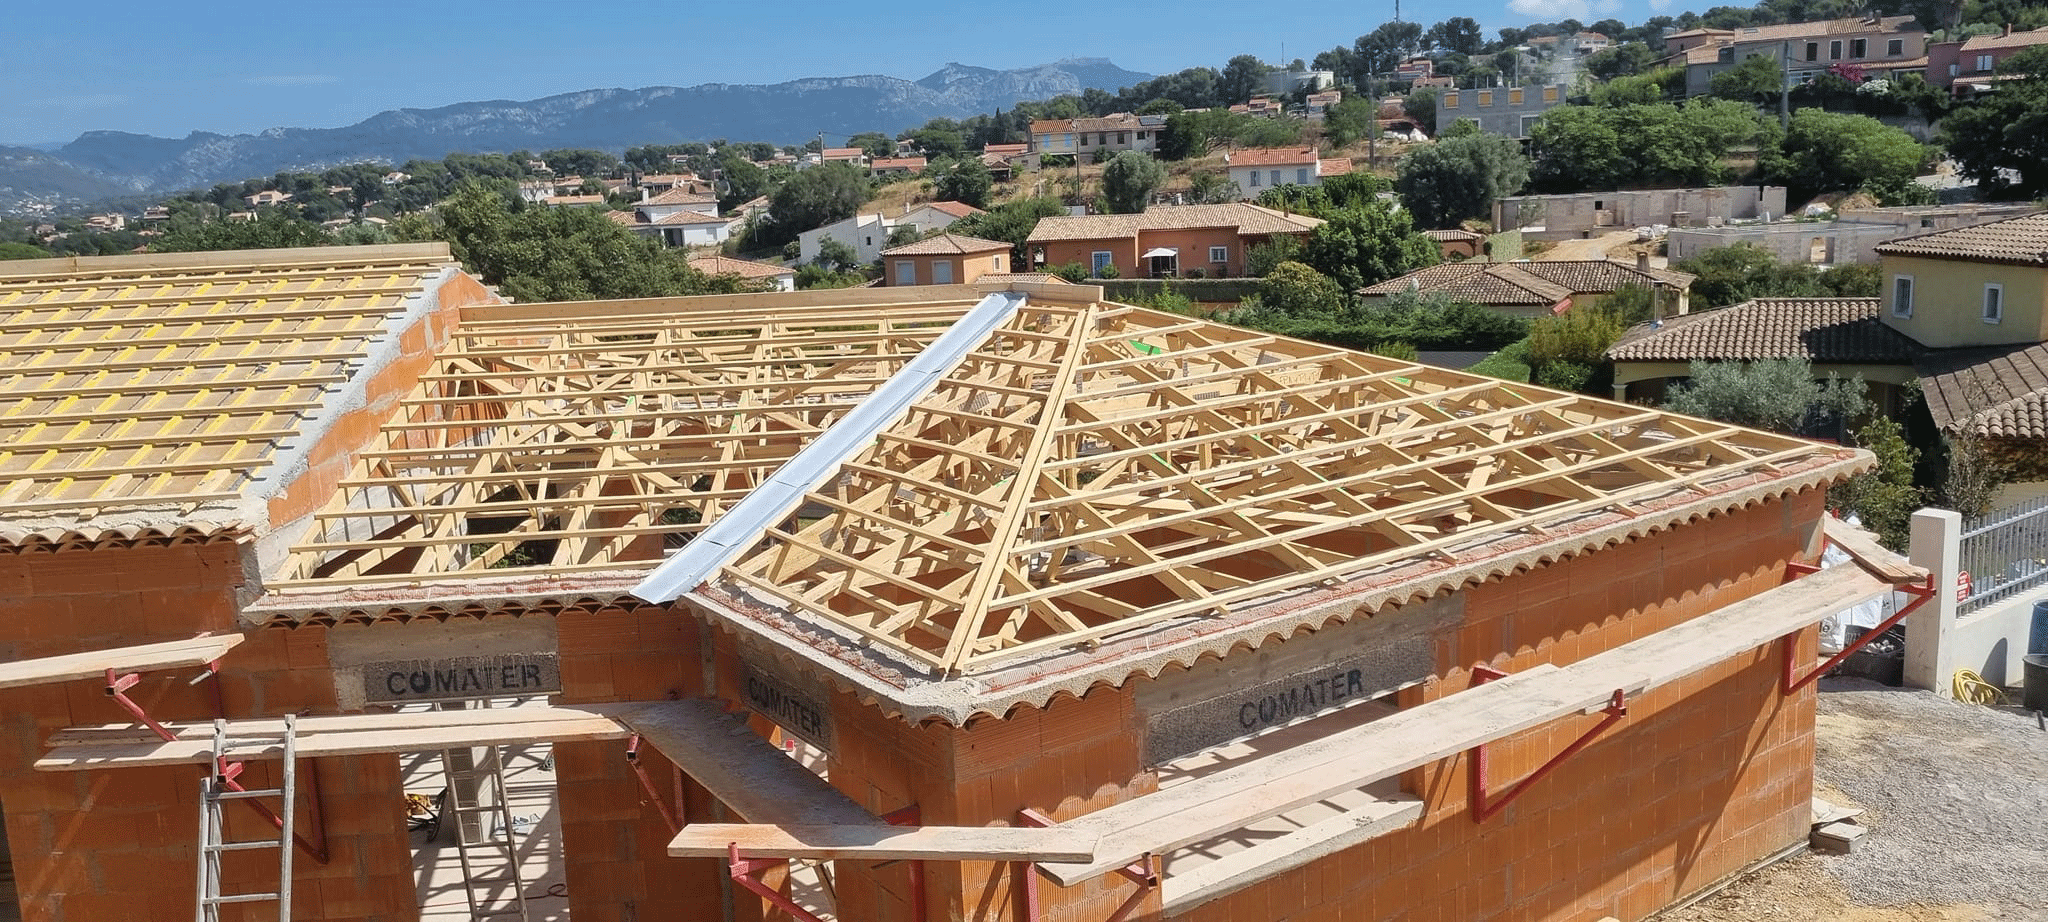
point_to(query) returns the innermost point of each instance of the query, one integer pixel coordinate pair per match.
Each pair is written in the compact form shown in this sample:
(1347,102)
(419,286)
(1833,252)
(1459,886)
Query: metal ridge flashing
(768,503)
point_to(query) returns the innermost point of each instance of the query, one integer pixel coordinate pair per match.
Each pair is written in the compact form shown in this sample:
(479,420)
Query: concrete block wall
(112,845)
(1701,778)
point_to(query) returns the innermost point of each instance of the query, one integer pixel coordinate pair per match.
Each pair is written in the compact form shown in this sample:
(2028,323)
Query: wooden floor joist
(1265,787)
(92,664)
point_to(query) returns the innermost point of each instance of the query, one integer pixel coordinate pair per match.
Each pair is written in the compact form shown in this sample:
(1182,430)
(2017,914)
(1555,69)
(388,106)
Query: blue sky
(232,66)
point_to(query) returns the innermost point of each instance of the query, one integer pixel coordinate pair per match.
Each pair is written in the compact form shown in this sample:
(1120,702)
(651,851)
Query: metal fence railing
(2005,552)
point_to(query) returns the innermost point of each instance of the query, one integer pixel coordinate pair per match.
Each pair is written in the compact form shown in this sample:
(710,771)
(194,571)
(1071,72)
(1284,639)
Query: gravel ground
(1957,794)
(1957,804)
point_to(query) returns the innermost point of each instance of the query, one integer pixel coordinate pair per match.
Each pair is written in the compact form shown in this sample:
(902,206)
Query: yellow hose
(1971,687)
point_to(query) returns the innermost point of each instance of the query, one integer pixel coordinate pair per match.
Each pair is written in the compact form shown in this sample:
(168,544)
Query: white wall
(1939,640)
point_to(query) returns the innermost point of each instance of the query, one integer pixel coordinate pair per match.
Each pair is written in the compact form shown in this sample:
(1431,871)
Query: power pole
(1784,85)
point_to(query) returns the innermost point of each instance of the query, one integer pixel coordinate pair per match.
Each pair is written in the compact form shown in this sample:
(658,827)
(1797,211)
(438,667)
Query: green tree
(1353,119)
(16,250)
(1209,187)
(744,180)
(1382,49)
(1420,105)
(1776,394)
(1262,258)
(1586,147)
(1300,293)
(580,162)
(1830,151)
(1366,244)
(873,144)
(1733,274)
(272,229)
(967,180)
(1459,34)
(1129,180)
(1459,178)
(1621,60)
(817,197)
(1243,78)
(1010,222)
(1885,499)
(1565,351)
(558,254)
(1652,86)
(1996,140)
(1759,78)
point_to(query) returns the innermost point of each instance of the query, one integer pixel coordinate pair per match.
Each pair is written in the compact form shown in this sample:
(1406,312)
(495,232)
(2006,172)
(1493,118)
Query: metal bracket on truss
(1145,872)
(117,689)
(1792,681)
(1483,808)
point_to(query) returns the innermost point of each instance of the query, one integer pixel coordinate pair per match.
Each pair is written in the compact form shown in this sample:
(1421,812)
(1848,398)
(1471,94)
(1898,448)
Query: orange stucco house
(1164,242)
(947,259)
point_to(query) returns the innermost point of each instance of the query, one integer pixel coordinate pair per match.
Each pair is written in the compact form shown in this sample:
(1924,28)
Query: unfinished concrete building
(995,602)
(1579,215)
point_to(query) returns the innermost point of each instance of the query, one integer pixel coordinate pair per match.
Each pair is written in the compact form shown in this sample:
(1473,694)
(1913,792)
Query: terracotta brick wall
(113,845)
(1699,780)
(614,843)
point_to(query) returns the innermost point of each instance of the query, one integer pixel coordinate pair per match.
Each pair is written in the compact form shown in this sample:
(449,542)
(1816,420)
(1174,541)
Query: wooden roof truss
(1091,469)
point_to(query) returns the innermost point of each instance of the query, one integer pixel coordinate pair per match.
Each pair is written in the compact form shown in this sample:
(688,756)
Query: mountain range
(106,164)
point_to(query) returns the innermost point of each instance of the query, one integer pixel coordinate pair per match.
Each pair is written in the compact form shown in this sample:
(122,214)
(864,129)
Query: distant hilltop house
(853,156)
(1970,66)
(947,259)
(1962,313)
(1114,133)
(678,217)
(897,166)
(267,197)
(868,234)
(1260,168)
(1509,111)
(1588,214)
(1881,46)
(1283,82)
(1164,241)
(1260,107)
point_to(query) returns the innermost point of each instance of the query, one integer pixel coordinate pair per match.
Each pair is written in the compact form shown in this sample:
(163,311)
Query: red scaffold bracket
(1145,872)
(747,873)
(117,689)
(1483,807)
(647,786)
(1792,682)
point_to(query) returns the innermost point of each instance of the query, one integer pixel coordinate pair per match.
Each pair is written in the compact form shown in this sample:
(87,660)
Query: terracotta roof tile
(1272,156)
(946,245)
(690,217)
(1247,218)
(2025,39)
(2021,241)
(744,268)
(1453,234)
(956,209)
(1336,166)
(1998,391)
(1828,330)
(898,163)
(680,195)
(1523,283)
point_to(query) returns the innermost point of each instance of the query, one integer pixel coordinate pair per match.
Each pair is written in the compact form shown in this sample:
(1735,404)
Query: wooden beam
(1351,758)
(93,664)
(352,735)
(884,842)
(1862,547)
(758,781)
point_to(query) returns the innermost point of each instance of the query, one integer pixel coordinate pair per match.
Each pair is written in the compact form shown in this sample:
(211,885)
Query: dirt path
(1593,248)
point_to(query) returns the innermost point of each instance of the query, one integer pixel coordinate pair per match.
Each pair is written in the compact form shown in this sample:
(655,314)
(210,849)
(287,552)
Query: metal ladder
(220,786)
(484,824)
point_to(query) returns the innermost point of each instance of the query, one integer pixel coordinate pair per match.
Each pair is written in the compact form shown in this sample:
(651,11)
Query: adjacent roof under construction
(173,383)
(1087,476)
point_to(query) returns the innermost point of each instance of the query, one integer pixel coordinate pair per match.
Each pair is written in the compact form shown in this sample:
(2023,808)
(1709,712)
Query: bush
(1072,272)
(1108,271)
(1395,350)
(1563,376)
